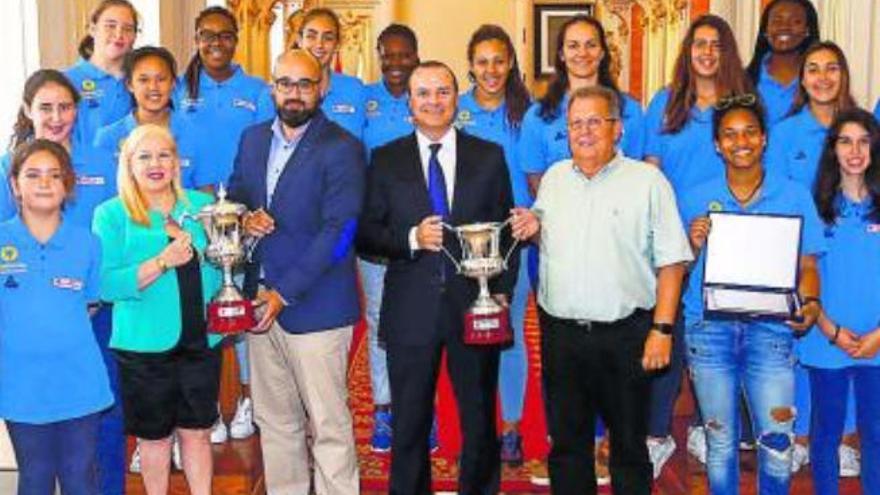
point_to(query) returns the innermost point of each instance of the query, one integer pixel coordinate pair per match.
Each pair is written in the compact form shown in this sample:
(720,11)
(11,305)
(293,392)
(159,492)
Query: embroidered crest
(8,254)
(372,105)
(89,85)
(715,206)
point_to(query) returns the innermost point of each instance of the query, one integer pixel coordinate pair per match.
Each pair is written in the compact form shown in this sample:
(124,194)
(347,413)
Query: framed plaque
(751,268)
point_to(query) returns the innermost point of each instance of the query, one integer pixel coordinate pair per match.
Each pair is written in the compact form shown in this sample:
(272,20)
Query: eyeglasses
(591,123)
(126,30)
(225,37)
(743,100)
(305,85)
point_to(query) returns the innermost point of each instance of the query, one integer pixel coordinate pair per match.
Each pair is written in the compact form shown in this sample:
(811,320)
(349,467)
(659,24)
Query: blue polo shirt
(795,147)
(850,274)
(104,98)
(777,98)
(50,366)
(778,195)
(544,143)
(344,103)
(877,110)
(687,157)
(386,118)
(222,111)
(492,125)
(191,144)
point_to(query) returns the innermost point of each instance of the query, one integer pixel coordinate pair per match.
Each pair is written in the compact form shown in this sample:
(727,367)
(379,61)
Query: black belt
(593,325)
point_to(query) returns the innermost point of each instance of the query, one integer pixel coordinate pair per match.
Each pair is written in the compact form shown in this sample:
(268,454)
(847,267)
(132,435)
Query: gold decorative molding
(658,13)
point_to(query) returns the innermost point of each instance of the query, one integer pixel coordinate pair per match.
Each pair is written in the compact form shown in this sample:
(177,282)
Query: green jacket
(147,320)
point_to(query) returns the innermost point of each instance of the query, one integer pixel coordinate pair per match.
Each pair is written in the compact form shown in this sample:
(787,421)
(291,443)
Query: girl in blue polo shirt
(343,95)
(787,29)
(493,110)
(53,384)
(149,76)
(841,353)
(217,96)
(113,27)
(582,59)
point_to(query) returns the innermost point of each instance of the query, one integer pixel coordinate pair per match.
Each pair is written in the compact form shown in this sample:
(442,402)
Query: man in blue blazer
(302,177)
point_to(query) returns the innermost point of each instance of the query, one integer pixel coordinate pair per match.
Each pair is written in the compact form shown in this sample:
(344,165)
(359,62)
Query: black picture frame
(548,19)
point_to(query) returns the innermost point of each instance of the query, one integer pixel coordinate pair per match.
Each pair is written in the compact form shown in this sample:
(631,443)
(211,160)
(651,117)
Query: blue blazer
(309,258)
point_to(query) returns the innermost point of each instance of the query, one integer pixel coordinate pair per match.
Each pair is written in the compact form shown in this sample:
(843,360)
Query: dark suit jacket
(397,200)
(309,258)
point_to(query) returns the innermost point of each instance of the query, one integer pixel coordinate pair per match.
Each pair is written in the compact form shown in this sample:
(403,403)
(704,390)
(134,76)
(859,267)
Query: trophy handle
(446,251)
(512,246)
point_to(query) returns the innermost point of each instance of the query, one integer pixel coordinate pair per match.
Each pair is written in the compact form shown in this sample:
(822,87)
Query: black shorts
(166,390)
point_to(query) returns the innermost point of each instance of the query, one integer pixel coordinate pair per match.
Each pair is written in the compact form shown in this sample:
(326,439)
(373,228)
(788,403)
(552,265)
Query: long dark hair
(559,86)
(87,44)
(844,98)
(138,54)
(762,46)
(194,67)
(731,78)
(516,96)
(23,130)
(828,179)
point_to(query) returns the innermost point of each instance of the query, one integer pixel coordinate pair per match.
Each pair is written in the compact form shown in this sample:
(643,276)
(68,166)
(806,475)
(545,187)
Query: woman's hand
(805,317)
(698,232)
(847,341)
(179,251)
(868,345)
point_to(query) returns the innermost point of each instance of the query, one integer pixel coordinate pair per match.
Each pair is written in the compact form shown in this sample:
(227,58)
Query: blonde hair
(129,193)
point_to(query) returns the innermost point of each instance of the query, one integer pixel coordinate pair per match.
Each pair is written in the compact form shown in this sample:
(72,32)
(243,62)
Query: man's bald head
(299,59)
(296,87)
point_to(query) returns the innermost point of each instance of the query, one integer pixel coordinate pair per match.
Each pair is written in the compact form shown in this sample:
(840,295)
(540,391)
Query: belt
(594,325)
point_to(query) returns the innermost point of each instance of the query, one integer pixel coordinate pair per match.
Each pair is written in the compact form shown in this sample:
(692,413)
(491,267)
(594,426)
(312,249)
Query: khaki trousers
(299,386)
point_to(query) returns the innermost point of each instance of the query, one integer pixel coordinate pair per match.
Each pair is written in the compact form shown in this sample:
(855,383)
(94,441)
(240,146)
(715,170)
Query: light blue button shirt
(50,366)
(104,98)
(687,157)
(795,147)
(280,152)
(344,103)
(492,125)
(603,239)
(778,196)
(191,144)
(386,117)
(777,98)
(544,142)
(223,110)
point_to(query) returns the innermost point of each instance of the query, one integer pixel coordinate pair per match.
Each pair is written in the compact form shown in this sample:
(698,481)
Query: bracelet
(833,340)
(808,299)
(163,267)
(664,328)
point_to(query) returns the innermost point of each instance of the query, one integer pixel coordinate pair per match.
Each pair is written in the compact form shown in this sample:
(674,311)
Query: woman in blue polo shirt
(787,29)
(343,95)
(53,384)
(493,110)
(727,356)
(841,353)
(113,27)
(149,76)
(583,59)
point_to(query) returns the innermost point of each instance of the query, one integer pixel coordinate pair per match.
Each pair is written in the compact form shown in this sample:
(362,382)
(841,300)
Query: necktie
(437,183)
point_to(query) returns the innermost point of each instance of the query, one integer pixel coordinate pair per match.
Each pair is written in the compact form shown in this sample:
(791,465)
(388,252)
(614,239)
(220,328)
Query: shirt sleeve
(8,207)
(532,145)
(633,141)
(813,236)
(654,126)
(670,244)
(93,283)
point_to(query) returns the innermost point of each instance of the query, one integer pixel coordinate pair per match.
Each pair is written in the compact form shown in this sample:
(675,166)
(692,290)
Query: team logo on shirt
(8,254)
(10,263)
(191,104)
(90,180)
(240,103)
(800,155)
(463,119)
(715,206)
(68,283)
(561,135)
(89,85)
(342,108)
(184,162)
(372,106)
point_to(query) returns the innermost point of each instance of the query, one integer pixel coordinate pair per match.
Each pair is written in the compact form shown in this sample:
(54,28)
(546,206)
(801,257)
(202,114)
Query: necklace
(748,199)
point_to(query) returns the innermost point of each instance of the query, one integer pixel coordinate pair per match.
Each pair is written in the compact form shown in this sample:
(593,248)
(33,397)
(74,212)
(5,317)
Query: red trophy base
(231,317)
(487,329)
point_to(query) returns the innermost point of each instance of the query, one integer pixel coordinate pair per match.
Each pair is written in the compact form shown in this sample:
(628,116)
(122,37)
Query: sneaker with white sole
(135,466)
(219,434)
(850,461)
(176,460)
(242,424)
(800,457)
(696,443)
(660,450)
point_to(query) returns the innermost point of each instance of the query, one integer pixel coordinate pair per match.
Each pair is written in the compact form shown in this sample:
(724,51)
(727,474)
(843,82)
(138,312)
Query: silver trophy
(486,321)
(229,312)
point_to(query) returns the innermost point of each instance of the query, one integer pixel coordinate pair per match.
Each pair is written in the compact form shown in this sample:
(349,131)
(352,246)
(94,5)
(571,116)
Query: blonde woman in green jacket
(159,284)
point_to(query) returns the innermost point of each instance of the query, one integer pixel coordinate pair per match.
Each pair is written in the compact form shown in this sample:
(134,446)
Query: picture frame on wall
(548,19)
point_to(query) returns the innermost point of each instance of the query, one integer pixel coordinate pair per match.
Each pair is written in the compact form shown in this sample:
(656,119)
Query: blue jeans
(63,451)
(372,282)
(111,434)
(726,357)
(513,368)
(830,388)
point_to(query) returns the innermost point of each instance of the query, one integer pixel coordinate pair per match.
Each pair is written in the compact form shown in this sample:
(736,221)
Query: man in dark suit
(435,175)
(302,177)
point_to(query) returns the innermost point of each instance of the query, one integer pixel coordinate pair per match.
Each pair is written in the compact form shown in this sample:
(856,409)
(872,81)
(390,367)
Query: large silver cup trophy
(486,322)
(228,312)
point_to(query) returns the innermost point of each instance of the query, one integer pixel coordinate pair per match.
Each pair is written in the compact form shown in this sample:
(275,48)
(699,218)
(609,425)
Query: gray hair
(600,92)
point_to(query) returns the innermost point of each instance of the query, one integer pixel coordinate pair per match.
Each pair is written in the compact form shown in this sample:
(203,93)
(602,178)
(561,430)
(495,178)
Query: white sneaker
(218,431)
(696,443)
(242,424)
(175,453)
(135,466)
(660,450)
(800,457)
(850,461)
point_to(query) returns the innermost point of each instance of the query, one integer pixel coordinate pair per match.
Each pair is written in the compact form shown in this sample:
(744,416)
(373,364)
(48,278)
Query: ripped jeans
(724,358)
